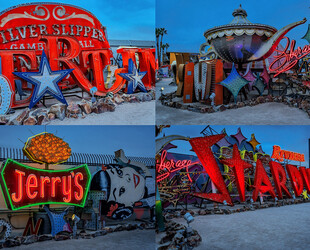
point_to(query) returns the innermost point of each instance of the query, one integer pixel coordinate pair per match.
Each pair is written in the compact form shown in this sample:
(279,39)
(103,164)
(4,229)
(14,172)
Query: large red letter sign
(305,173)
(238,165)
(279,178)
(202,147)
(295,178)
(261,178)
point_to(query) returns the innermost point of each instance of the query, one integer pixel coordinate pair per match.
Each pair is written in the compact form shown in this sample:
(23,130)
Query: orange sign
(280,155)
(47,148)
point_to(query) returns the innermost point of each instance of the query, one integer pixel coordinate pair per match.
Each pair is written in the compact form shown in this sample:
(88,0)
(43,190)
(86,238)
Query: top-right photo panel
(229,62)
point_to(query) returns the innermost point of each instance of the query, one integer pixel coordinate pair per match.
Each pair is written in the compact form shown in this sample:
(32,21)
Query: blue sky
(125,20)
(134,140)
(186,20)
(291,138)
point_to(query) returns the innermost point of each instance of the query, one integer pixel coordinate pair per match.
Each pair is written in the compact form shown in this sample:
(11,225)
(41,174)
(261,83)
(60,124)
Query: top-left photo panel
(77,62)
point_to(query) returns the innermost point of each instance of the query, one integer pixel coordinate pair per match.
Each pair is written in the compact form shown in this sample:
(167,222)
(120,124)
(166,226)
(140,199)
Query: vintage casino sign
(72,38)
(22,26)
(165,167)
(47,148)
(299,176)
(288,58)
(24,186)
(280,155)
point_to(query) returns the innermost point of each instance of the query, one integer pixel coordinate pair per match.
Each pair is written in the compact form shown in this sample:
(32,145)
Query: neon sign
(25,186)
(47,148)
(165,167)
(73,38)
(280,155)
(288,58)
(299,177)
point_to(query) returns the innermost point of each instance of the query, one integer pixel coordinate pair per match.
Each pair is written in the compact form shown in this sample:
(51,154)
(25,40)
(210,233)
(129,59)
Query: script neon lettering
(66,188)
(78,176)
(18,198)
(32,182)
(43,179)
(54,180)
(171,166)
(287,59)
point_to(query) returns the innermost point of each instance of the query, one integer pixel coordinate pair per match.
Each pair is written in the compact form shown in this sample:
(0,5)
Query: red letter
(279,178)
(32,182)
(202,147)
(73,50)
(7,67)
(66,190)
(238,166)
(295,178)
(276,154)
(76,183)
(19,186)
(305,177)
(260,178)
(54,180)
(43,180)
(98,60)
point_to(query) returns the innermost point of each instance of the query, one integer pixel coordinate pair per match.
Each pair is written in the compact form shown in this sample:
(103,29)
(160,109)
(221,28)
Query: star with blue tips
(134,78)
(45,81)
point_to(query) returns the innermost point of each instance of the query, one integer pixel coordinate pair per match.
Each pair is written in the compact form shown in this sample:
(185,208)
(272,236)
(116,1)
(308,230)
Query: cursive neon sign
(289,57)
(165,167)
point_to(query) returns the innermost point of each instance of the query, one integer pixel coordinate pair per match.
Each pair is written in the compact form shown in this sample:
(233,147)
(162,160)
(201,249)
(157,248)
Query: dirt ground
(142,239)
(263,114)
(284,227)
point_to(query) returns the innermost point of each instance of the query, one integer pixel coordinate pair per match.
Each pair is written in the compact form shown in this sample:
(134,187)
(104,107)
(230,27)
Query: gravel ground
(263,114)
(272,228)
(125,114)
(144,239)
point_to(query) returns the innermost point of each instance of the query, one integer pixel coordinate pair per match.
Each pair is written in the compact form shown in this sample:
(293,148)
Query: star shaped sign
(134,78)
(45,81)
(238,166)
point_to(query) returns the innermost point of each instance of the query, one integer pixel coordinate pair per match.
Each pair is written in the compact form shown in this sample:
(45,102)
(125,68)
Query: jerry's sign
(25,186)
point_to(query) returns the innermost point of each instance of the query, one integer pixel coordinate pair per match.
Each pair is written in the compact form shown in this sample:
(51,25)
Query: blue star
(45,81)
(134,78)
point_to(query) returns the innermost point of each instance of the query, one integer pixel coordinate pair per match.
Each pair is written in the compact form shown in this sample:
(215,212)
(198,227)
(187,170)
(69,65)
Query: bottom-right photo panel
(229,187)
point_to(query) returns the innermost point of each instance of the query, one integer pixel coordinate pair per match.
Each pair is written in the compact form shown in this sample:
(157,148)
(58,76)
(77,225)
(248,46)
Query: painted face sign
(127,185)
(25,186)
(125,188)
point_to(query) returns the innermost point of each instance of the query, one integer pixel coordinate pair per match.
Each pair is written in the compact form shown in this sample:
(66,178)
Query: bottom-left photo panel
(77,187)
